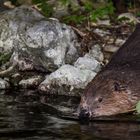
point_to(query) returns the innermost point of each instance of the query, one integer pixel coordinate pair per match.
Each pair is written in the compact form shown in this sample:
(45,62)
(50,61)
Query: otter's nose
(84,115)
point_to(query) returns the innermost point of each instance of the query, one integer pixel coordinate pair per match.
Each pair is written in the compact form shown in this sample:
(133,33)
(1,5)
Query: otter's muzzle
(84,115)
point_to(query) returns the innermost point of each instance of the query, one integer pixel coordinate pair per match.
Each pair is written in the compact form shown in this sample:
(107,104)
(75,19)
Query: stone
(103,22)
(92,60)
(67,75)
(128,18)
(101,33)
(88,63)
(4,84)
(120,42)
(32,82)
(15,79)
(95,52)
(36,42)
(110,48)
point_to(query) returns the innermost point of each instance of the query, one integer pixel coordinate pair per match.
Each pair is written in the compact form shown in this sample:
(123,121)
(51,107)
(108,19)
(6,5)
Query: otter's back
(128,56)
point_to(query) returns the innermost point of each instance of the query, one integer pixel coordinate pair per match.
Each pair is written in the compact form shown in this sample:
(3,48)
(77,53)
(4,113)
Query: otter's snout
(84,115)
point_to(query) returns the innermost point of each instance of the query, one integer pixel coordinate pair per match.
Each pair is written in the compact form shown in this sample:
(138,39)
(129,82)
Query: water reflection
(24,117)
(115,131)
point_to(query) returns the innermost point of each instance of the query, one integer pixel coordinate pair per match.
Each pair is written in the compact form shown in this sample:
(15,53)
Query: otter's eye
(119,87)
(116,86)
(100,99)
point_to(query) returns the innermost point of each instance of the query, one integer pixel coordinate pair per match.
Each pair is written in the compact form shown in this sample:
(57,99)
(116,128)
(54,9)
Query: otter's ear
(119,87)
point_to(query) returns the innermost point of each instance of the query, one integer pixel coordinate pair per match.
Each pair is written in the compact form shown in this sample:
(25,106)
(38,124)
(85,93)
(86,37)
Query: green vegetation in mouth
(138,107)
(4,58)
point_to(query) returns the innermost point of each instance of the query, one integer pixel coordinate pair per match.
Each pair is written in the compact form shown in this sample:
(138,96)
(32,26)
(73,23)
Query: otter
(116,88)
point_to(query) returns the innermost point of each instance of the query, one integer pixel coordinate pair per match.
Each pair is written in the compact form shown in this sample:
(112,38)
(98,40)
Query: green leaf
(74,18)
(88,6)
(138,107)
(65,2)
(46,9)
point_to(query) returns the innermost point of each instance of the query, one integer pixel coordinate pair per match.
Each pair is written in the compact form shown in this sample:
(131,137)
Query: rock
(9,4)
(91,60)
(15,79)
(88,63)
(128,18)
(103,22)
(101,33)
(110,48)
(120,42)
(95,52)
(107,57)
(4,84)
(31,82)
(68,76)
(36,43)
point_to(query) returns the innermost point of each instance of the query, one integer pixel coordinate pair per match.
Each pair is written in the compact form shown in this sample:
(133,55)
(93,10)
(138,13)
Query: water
(23,116)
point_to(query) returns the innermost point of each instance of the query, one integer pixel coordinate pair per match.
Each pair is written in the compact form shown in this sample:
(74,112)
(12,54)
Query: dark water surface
(23,116)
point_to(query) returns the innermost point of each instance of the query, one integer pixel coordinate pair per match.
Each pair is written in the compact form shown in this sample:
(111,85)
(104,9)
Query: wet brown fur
(116,88)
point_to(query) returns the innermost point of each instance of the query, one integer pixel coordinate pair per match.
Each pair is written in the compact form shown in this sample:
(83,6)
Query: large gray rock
(67,76)
(36,41)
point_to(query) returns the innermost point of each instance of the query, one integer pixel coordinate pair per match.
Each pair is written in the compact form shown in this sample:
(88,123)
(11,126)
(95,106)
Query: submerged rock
(68,76)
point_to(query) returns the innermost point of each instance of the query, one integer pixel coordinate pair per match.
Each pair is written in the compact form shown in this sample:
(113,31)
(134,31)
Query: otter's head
(105,97)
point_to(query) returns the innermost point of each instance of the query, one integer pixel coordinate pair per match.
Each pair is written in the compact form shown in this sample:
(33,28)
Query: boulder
(67,77)
(36,42)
